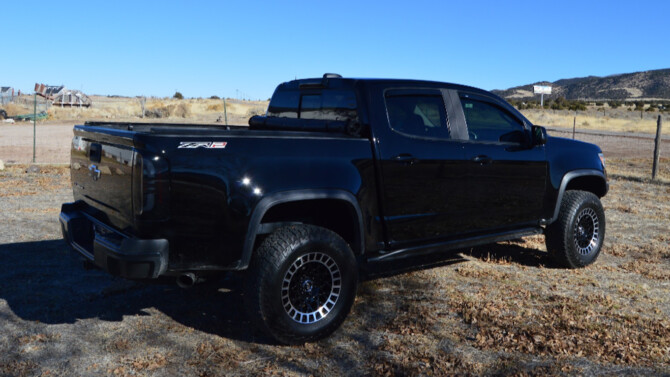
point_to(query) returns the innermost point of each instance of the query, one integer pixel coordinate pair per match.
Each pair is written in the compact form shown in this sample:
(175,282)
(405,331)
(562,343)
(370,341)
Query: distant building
(67,97)
(53,91)
(60,95)
(6,94)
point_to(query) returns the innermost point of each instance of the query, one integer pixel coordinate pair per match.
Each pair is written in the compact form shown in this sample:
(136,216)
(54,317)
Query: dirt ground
(501,309)
(496,310)
(52,142)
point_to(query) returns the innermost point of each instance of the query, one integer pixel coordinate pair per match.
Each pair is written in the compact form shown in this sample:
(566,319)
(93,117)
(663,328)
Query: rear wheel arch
(339,212)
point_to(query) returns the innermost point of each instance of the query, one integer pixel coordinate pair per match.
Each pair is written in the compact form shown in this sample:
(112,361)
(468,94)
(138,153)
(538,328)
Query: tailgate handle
(406,158)
(482,159)
(95,152)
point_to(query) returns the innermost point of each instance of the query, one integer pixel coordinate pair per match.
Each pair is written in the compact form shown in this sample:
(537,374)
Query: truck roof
(334,81)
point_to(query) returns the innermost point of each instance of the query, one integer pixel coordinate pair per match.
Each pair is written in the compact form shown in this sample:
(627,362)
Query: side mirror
(539,135)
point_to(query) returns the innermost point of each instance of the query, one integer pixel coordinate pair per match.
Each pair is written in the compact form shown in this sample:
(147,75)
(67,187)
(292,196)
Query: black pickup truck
(339,173)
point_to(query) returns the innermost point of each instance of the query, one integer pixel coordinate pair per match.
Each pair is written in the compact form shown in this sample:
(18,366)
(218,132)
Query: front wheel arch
(591,180)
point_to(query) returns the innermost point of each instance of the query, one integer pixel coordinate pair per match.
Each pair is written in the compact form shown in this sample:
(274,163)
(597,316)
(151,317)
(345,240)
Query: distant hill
(628,86)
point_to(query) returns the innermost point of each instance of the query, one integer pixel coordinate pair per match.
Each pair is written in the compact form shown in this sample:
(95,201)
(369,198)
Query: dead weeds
(499,309)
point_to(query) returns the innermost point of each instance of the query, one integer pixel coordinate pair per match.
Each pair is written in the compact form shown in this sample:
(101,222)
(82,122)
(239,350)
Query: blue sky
(245,48)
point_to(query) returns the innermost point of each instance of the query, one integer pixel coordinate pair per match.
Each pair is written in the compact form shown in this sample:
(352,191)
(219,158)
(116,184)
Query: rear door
(506,173)
(422,167)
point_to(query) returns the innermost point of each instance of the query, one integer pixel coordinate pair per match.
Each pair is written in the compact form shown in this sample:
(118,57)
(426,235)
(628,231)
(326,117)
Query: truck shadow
(517,251)
(44,281)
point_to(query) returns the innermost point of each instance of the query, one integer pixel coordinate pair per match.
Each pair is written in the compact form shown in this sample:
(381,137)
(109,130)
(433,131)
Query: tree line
(561,103)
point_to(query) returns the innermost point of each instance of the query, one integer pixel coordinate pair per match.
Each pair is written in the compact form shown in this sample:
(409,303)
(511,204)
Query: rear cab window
(323,104)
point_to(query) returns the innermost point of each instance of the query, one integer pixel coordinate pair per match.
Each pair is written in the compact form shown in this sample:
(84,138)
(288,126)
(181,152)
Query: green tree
(178,95)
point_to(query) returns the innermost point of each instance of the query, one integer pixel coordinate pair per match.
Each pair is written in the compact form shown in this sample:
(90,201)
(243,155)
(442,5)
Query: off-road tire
(3,114)
(575,239)
(295,270)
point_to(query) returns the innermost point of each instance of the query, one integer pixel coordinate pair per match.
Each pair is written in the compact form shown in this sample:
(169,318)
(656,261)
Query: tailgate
(102,165)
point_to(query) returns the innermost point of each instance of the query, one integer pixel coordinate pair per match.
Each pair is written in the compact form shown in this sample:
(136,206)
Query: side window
(489,122)
(418,115)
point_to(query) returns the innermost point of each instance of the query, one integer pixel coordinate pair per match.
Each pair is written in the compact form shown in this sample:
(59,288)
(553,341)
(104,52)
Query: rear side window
(417,115)
(326,105)
(488,122)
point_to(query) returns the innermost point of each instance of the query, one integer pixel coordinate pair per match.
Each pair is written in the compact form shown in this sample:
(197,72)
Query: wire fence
(617,145)
(32,102)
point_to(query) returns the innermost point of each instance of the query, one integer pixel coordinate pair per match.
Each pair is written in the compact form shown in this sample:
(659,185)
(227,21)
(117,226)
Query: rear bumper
(111,250)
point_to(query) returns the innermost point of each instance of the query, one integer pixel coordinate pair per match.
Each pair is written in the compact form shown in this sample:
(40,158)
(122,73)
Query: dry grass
(165,109)
(15,182)
(616,120)
(639,168)
(500,309)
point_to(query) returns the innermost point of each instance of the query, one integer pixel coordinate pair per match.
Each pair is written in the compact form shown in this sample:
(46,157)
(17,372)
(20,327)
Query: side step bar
(456,244)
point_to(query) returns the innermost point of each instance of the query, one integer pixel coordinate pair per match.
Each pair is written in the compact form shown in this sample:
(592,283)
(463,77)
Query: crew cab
(339,173)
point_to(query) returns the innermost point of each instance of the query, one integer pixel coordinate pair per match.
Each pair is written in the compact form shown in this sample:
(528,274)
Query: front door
(507,173)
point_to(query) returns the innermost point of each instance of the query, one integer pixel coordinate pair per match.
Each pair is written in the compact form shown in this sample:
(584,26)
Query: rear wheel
(3,114)
(301,283)
(575,239)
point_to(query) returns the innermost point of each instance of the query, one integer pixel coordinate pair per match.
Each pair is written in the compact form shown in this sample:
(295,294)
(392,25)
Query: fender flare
(566,180)
(268,202)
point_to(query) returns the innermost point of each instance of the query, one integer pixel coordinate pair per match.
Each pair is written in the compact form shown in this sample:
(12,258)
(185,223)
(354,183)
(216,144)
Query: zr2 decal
(203,144)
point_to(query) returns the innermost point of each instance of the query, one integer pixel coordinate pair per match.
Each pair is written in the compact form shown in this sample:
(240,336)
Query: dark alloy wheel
(586,231)
(575,239)
(301,283)
(311,288)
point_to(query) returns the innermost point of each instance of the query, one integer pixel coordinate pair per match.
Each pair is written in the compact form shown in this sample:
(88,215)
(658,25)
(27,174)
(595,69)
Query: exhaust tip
(186,280)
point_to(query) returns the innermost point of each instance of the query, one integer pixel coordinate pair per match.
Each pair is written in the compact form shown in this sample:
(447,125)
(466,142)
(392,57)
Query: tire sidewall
(340,252)
(574,254)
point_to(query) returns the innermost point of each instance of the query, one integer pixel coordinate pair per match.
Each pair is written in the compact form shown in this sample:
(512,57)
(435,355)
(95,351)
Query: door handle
(482,159)
(406,158)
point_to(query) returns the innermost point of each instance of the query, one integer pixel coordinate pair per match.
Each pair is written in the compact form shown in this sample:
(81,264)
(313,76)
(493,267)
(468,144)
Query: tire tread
(557,235)
(267,260)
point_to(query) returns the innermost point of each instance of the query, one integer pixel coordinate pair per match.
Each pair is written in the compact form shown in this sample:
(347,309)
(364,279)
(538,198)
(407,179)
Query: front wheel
(301,283)
(574,240)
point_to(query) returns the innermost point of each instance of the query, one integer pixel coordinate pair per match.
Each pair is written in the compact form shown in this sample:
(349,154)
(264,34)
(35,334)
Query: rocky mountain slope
(628,86)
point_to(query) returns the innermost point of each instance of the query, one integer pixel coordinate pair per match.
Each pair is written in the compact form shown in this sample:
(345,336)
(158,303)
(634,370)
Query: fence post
(34,124)
(657,148)
(225,111)
(574,125)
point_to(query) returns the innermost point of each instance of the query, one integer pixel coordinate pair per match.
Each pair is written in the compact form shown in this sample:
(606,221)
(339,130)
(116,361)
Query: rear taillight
(151,186)
(137,187)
